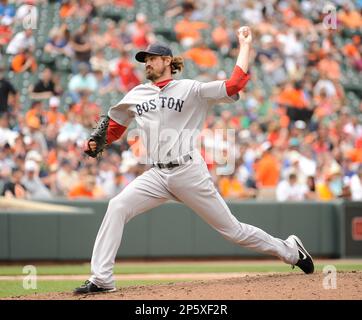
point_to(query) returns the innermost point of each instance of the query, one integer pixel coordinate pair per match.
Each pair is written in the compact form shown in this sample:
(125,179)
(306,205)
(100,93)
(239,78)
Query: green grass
(15,288)
(84,269)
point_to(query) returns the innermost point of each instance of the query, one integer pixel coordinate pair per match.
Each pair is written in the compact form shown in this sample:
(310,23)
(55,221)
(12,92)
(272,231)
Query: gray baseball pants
(191,184)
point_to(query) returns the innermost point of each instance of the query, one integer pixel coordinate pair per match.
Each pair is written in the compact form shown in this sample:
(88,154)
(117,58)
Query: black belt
(173,164)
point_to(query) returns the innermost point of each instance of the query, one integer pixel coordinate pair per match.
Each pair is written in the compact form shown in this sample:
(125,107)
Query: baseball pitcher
(179,172)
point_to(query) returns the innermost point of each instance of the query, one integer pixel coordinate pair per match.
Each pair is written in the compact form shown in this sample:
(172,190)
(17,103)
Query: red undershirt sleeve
(237,81)
(114,131)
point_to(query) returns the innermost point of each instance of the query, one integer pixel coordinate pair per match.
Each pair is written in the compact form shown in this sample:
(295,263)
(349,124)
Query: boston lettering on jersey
(163,102)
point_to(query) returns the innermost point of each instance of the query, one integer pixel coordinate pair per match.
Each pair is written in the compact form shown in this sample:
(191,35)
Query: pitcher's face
(155,67)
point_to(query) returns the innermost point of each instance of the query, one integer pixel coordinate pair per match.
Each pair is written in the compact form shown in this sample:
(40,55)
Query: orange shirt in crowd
(52,158)
(18,62)
(203,57)
(352,20)
(330,68)
(80,191)
(66,10)
(54,117)
(350,50)
(292,97)
(32,118)
(189,29)
(355,155)
(267,171)
(220,36)
(299,23)
(230,187)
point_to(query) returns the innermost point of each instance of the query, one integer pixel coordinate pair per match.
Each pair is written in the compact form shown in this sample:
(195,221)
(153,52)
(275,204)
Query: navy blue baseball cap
(157,49)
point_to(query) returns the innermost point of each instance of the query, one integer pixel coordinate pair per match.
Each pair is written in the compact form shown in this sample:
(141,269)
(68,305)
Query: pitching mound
(271,286)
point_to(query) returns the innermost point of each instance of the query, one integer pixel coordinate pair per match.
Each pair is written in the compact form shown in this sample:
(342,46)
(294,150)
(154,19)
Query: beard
(153,75)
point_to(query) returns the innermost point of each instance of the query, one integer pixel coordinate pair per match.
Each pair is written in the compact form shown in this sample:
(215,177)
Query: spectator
(87,111)
(220,36)
(84,189)
(24,62)
(34,116)
(110,38)
(6,90)
(331,186)
(46,87)
(291,190)
(81,46)
(66,177)
(68,9)
(35,187)
(267,172)
(99,62)
(251,14)
(141,32)
(329,66)
(124,37)
(106,178)
(107,83)
(324,106)
(311,193)
(187,31)
(356,185)
(7,135)
(299,99)
(349,17)
(21,41)
(202,56)
(127,73)
(230,187)
(59,42)
(298,107)
(6,33)
(53,116)
(14,188)
(84,81)
(325,84)
(7,11)
(72,130)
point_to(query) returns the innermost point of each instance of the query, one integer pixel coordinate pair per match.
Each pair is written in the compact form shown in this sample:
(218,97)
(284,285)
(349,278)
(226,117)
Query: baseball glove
(99,136)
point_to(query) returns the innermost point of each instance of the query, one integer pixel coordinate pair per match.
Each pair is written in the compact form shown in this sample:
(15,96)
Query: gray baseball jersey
(180,105)
(169,118)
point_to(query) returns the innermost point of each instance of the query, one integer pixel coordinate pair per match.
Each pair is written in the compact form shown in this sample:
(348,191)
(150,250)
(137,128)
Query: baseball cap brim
(156,49)
(141,55)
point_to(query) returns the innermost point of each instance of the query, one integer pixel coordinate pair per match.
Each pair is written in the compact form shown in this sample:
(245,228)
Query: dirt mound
(348,285)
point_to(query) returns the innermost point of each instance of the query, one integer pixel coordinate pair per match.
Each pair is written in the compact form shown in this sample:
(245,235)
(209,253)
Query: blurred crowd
(297,134)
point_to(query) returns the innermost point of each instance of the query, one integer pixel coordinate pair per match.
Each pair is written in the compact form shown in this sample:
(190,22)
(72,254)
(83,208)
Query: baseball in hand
(244,34)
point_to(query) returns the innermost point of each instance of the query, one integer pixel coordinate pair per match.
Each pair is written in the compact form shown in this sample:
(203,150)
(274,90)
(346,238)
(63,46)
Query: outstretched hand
(244,35)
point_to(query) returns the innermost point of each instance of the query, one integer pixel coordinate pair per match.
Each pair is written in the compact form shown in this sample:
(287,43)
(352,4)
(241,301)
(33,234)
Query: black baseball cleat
(90,288)
(305,261)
